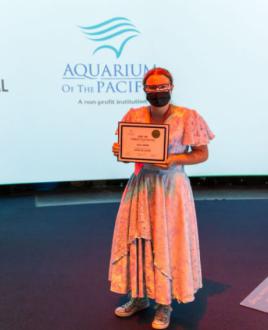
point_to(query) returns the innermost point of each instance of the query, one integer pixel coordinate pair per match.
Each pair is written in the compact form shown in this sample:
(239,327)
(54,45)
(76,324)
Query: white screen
(52,128)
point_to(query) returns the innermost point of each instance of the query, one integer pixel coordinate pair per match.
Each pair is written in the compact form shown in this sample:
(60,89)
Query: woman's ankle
(168,306)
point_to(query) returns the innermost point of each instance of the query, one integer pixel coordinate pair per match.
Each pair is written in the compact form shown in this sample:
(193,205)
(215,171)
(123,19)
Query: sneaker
(162,317)
(131,307)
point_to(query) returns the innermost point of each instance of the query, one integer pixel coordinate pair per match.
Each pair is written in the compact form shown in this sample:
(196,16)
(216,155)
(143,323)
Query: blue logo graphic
(112,34)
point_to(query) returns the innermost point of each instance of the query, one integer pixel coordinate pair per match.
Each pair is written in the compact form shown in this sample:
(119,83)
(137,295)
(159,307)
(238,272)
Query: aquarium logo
(112,35)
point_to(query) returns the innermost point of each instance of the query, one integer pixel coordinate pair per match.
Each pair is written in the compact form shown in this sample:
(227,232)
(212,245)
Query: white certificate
(144,143)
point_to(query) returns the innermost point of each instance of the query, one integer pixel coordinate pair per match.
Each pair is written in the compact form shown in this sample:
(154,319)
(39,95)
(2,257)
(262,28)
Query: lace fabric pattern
(155,249)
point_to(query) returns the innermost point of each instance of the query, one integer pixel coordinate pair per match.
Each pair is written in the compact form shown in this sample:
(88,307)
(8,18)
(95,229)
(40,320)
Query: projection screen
(69,71)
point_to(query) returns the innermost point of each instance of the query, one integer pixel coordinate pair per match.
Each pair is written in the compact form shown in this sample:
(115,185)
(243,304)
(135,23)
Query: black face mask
(158,99)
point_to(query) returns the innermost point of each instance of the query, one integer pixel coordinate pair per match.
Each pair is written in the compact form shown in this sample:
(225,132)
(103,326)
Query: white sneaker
(162,317)
(131,307)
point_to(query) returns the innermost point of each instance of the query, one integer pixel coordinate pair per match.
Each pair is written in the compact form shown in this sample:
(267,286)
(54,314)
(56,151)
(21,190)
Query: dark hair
(159,71)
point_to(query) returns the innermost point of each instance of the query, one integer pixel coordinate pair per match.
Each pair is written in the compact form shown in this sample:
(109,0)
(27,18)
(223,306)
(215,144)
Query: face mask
(158,99)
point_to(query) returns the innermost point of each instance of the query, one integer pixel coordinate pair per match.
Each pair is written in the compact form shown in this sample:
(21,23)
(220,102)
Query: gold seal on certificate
(144,143)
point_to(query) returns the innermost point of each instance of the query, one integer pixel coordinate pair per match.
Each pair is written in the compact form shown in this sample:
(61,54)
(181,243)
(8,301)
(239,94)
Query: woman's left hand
(169,162)
(198,154)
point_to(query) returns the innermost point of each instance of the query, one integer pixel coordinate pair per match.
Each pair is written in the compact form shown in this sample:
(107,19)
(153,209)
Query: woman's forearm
(197,155)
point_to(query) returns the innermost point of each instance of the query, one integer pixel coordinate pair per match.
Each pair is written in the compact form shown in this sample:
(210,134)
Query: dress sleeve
(196,131)
(126,118)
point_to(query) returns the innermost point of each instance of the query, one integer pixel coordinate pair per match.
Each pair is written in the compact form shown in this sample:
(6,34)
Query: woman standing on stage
(155,250)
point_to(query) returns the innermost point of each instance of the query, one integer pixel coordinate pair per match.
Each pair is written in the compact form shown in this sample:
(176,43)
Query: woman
(155,250)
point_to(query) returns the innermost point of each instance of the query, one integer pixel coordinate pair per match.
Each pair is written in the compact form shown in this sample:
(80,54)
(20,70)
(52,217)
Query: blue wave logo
(112,34)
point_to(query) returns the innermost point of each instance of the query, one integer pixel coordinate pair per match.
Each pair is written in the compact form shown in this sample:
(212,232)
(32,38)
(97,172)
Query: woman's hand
(171,160)
(198,154)
(116,149)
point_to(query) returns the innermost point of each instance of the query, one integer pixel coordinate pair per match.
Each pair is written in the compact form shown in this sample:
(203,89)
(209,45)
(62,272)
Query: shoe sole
(119,314)
(159,326)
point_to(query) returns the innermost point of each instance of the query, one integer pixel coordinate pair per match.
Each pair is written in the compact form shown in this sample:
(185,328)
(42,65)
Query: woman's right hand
(116,149)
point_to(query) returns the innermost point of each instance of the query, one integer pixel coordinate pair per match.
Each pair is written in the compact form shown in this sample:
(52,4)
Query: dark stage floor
(54,264)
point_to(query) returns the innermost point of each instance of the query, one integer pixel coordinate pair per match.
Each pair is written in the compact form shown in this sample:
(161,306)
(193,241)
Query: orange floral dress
(155,248)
